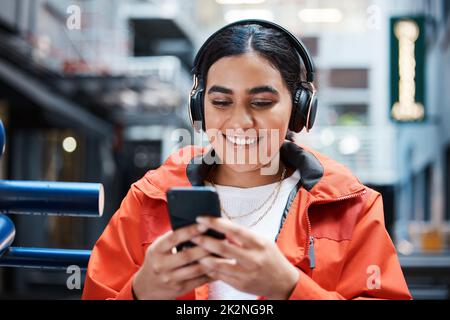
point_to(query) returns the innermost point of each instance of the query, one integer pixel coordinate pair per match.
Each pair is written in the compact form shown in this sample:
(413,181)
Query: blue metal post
(7,233)
(45,258)
(2,139)
(45,197)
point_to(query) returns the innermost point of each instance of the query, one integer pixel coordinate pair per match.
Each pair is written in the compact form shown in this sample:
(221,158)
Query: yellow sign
(406,107)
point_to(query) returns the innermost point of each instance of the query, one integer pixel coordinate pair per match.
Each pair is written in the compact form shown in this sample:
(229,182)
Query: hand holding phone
(164,275)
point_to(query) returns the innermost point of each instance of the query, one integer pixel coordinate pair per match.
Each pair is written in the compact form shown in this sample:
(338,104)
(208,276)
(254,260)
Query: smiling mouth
(241,140)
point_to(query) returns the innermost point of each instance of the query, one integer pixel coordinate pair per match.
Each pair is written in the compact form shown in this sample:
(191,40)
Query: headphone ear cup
(196,106)
(201,108)
(297,121)
(313,111)
(302,116)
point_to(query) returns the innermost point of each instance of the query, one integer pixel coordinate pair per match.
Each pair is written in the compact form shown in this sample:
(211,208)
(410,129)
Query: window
(346,114)
(417,200)
(427,192)
(422,194)
(348,78)
(446,8)
(447,184)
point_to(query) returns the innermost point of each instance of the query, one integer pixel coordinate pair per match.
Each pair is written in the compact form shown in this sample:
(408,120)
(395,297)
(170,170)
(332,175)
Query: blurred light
(349,145)
(235,15)
(129,98)
(327,137)
(405,247)
(240,1)
(43,47)
(168,9)
(328,15)
(69,144)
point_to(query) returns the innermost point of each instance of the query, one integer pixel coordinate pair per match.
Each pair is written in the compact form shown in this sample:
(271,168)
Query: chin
(245,158)
(242,168)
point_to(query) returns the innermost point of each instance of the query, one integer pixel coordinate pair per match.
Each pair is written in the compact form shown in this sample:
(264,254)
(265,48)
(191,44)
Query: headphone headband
(297,43)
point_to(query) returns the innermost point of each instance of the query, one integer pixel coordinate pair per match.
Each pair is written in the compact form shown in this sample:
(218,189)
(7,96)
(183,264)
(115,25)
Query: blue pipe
(44,258)
(7,233)
(54,198)
(2,138)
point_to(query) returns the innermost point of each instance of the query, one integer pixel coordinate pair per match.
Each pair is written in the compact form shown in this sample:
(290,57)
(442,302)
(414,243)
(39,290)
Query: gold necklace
(276,191)
(268,209)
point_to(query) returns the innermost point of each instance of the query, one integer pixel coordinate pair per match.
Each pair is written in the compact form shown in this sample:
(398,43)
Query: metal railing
(44,197)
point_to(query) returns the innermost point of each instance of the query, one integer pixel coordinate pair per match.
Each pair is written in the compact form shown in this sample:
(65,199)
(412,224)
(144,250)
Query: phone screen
(185,204)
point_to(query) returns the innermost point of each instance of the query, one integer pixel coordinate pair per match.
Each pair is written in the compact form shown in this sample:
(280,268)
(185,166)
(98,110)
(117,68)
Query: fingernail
(202,228)
(195,240)
(233,261)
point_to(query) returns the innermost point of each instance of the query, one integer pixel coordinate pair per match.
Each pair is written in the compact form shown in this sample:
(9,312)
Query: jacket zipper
(312,257)
(310,238)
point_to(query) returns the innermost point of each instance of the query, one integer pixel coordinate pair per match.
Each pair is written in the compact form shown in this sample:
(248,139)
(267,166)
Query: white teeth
(241,141)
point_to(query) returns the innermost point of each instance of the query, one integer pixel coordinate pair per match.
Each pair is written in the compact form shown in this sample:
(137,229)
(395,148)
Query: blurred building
(88,92)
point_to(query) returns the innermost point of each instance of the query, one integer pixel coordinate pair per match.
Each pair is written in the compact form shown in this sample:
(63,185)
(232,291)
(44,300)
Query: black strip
(199,168)
(311,170)
(289,202)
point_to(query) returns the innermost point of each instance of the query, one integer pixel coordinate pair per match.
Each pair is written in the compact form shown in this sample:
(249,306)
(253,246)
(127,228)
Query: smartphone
(185,204)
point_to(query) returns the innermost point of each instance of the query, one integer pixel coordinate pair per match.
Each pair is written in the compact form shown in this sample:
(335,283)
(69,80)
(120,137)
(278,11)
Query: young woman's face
(247,111)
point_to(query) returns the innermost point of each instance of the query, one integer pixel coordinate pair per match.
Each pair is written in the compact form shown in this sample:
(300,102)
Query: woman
(298,225)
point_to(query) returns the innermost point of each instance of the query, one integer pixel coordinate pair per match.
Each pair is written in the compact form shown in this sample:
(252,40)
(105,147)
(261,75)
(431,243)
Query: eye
(221,103)
(262,103)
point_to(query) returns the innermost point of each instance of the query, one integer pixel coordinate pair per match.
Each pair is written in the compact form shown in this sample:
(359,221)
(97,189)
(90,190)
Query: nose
(241,118)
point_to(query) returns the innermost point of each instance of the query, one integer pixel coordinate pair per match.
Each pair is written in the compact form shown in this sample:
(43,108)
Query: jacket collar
(323,178)
(292,155)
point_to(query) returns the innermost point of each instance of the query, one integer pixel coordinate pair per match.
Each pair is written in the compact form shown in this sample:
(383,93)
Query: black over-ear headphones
(304,97)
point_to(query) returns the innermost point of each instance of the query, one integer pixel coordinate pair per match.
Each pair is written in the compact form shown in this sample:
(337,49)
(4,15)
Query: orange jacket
(332,230)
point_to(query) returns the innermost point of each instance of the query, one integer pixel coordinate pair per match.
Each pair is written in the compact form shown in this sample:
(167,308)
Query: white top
(237,201)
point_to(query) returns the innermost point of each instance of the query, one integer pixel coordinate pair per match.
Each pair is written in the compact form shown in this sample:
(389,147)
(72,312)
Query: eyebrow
(261,89)
(254,90)
(220,89)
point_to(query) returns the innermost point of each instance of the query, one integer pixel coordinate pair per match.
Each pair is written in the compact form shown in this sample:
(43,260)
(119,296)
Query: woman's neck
(223,175)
